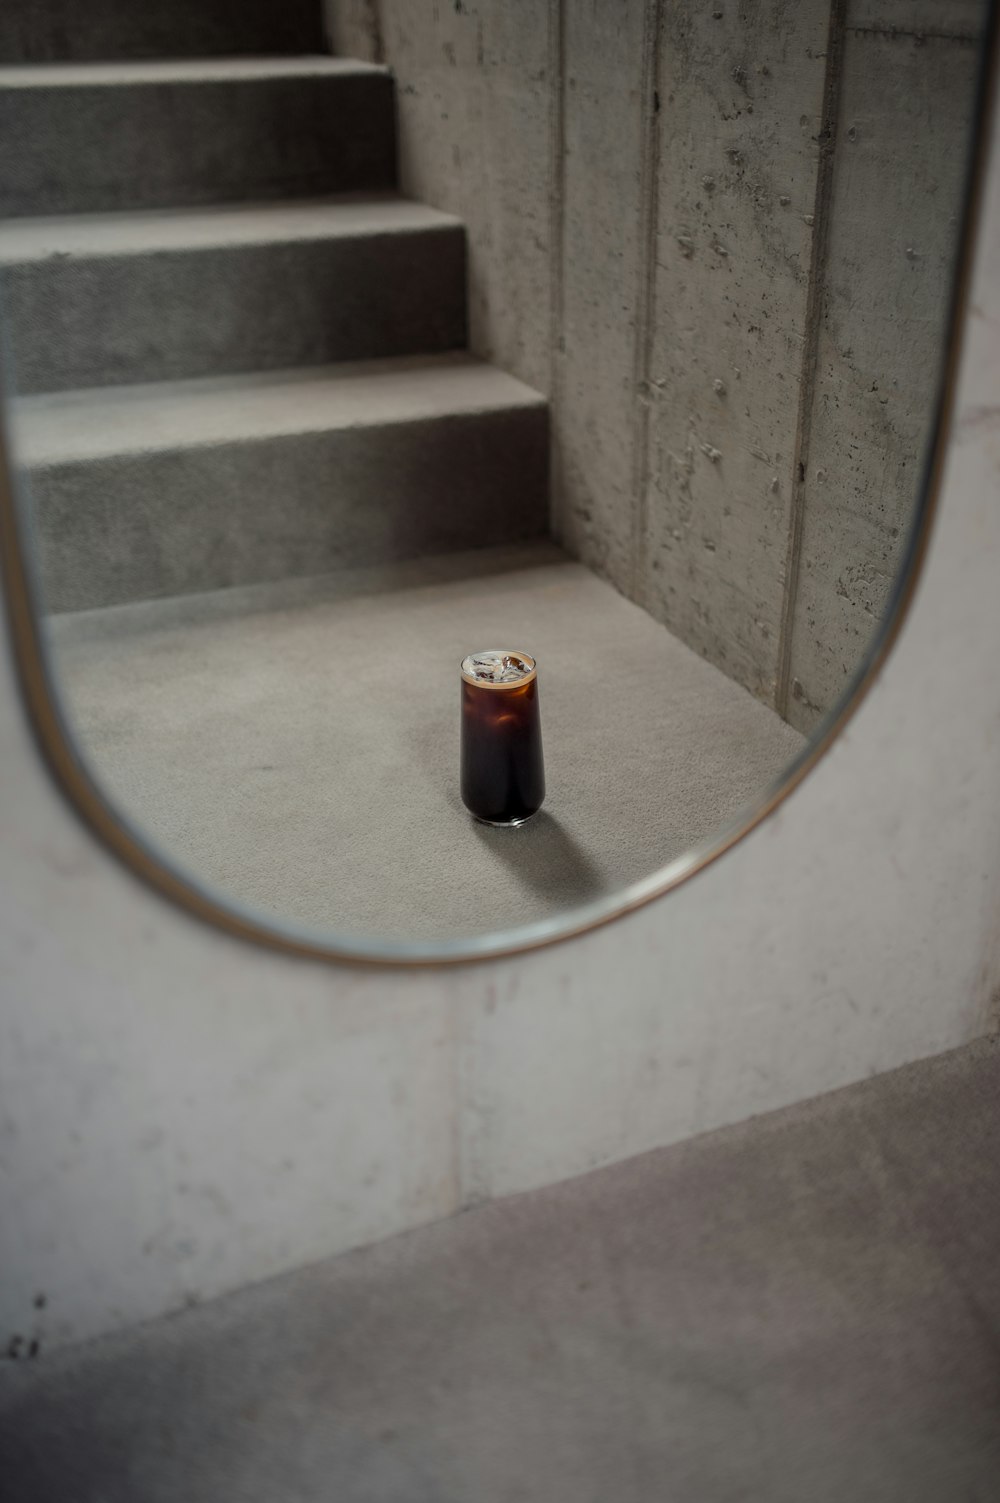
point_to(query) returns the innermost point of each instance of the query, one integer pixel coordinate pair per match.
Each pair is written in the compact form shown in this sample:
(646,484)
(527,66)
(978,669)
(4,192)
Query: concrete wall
(182,1113)
(475,103)
(906,82)
(742,113)
(719,238)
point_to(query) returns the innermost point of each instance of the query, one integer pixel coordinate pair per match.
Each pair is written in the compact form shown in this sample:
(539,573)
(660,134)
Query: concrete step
(35,31)
(141,492)
(82,137)
(156,296)
(799,1309)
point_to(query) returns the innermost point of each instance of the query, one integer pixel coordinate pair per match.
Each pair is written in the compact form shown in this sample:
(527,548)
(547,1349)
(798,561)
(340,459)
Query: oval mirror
(462,477)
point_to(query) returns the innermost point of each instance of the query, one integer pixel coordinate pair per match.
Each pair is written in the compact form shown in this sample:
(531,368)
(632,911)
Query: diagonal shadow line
(545,858)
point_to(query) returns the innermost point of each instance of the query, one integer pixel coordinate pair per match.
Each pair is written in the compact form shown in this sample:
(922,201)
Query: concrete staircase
(238,353)
(40,31)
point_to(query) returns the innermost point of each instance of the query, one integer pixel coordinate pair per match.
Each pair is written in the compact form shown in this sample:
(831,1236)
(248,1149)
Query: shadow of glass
(545,858)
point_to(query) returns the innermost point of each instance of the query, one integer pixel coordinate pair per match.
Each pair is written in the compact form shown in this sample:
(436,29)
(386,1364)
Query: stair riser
(137,527)
(65,30)
(75,322)
(76,149)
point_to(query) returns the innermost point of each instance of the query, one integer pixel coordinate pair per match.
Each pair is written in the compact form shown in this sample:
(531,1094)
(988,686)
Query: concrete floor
(297,744)
(803,1309)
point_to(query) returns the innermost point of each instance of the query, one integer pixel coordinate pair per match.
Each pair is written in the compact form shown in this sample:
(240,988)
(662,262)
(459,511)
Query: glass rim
(470,677)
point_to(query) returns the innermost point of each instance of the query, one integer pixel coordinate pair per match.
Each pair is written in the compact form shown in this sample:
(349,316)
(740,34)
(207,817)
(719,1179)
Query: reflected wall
(728,275)
(721,240)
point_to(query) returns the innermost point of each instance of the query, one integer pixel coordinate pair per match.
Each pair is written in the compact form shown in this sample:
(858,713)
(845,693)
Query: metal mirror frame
(81,789)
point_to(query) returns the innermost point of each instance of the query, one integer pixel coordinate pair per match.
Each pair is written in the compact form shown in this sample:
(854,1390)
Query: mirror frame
(75,781)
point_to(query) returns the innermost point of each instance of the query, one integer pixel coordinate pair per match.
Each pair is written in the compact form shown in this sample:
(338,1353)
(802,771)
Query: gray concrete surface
(601,176)
(297,745)
(741,116)
(86,137)
(802,1307)
(896,194)
(98,300)
(57,30)
(475,105)
(679,267)
(669,238)
(143,491)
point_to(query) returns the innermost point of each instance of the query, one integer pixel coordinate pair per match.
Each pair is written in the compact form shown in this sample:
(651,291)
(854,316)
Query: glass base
(505,824)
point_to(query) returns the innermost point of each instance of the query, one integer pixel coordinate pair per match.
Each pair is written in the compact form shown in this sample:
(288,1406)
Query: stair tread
(179,70)
(137,232)
(67,426)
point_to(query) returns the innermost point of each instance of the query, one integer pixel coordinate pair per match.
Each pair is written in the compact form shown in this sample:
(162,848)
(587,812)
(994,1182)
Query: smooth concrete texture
(58,30)
(804,1307)
(663,272)
(98,300)
(61,427)
(145,491)
(298,747)
(898,178)
(86,137)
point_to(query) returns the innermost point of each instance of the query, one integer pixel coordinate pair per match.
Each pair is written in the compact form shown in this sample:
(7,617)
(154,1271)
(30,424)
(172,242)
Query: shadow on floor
(546,858)
(799,1309)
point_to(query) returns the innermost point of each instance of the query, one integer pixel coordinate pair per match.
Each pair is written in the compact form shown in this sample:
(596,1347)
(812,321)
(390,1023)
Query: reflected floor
(297,744)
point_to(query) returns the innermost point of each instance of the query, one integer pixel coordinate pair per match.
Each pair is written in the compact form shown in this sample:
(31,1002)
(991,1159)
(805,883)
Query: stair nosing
(151,72)
(34,417)
(330,216)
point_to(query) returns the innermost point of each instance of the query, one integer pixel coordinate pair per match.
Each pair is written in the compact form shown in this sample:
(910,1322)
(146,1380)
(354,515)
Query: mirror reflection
(615,353)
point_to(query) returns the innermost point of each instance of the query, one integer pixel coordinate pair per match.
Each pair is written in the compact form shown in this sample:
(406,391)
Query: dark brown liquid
(503,775)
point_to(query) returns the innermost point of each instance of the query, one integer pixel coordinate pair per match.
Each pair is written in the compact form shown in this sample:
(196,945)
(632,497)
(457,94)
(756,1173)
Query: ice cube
(497,667)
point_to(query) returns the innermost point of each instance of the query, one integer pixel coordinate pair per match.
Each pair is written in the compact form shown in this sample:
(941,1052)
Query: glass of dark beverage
(503,775)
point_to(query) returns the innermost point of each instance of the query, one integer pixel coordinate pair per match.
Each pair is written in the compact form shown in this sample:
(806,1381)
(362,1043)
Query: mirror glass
(610,345)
